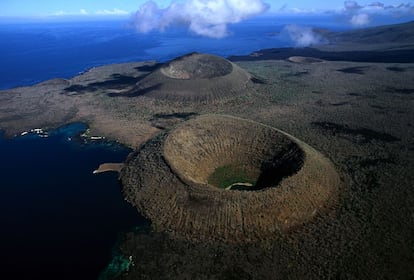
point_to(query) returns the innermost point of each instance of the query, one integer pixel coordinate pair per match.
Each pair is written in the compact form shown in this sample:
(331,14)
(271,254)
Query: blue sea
(58,220)
(31,52)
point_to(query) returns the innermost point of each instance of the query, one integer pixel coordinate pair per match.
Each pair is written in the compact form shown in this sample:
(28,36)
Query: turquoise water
(58,220)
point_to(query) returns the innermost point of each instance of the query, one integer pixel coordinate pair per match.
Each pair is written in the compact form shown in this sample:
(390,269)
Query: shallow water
(58,220)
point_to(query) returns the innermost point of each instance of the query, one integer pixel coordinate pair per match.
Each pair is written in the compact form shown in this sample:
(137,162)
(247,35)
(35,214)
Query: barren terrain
(359,114)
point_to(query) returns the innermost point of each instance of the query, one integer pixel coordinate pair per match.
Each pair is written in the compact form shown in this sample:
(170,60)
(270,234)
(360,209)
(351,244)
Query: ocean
(58,220)
(31,52)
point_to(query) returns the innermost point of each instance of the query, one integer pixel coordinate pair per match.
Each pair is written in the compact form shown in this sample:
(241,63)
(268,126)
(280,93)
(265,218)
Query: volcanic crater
(194,77)
(218,177)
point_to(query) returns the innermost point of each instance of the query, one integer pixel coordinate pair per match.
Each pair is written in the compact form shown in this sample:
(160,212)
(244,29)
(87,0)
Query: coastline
(356,113)
(383,56)
(111,115)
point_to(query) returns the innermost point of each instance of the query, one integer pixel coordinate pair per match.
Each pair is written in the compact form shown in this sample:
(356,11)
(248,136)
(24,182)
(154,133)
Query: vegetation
(227,175)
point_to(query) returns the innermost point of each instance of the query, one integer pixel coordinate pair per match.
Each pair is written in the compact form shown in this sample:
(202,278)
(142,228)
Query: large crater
(196,78)
(220,177)
(237,156)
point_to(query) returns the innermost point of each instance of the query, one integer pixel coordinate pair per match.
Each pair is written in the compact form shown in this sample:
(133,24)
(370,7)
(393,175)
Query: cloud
(60,13)
(360,20)
(354,13)
(204,17)
(400,10)
(351,6)
(113,12)
(377,5)
(361,15)
(285,9)
(303,36)
(84,12)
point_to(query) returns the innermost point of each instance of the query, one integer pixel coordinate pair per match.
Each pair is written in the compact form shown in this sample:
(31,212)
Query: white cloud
(376,5)
(299,11)
(360,15)
(351,6)
(355,14)
(360,20)
(400,10)
(204,17)
(84,12)
(60,13)
(113,12)
(303,36)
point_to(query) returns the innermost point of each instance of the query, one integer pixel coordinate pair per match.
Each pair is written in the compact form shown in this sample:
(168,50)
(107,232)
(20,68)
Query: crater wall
(167,179)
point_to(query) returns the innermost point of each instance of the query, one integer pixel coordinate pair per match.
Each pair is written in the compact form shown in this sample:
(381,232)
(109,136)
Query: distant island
(294,162)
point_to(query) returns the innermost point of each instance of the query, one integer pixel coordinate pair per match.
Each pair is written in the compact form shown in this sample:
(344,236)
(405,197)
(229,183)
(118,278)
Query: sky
(38,8)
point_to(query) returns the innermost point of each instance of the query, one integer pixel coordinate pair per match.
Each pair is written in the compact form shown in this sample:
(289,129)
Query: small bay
(58,220)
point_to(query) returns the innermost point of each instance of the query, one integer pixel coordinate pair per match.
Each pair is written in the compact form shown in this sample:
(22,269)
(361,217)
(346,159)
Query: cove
(58,220)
